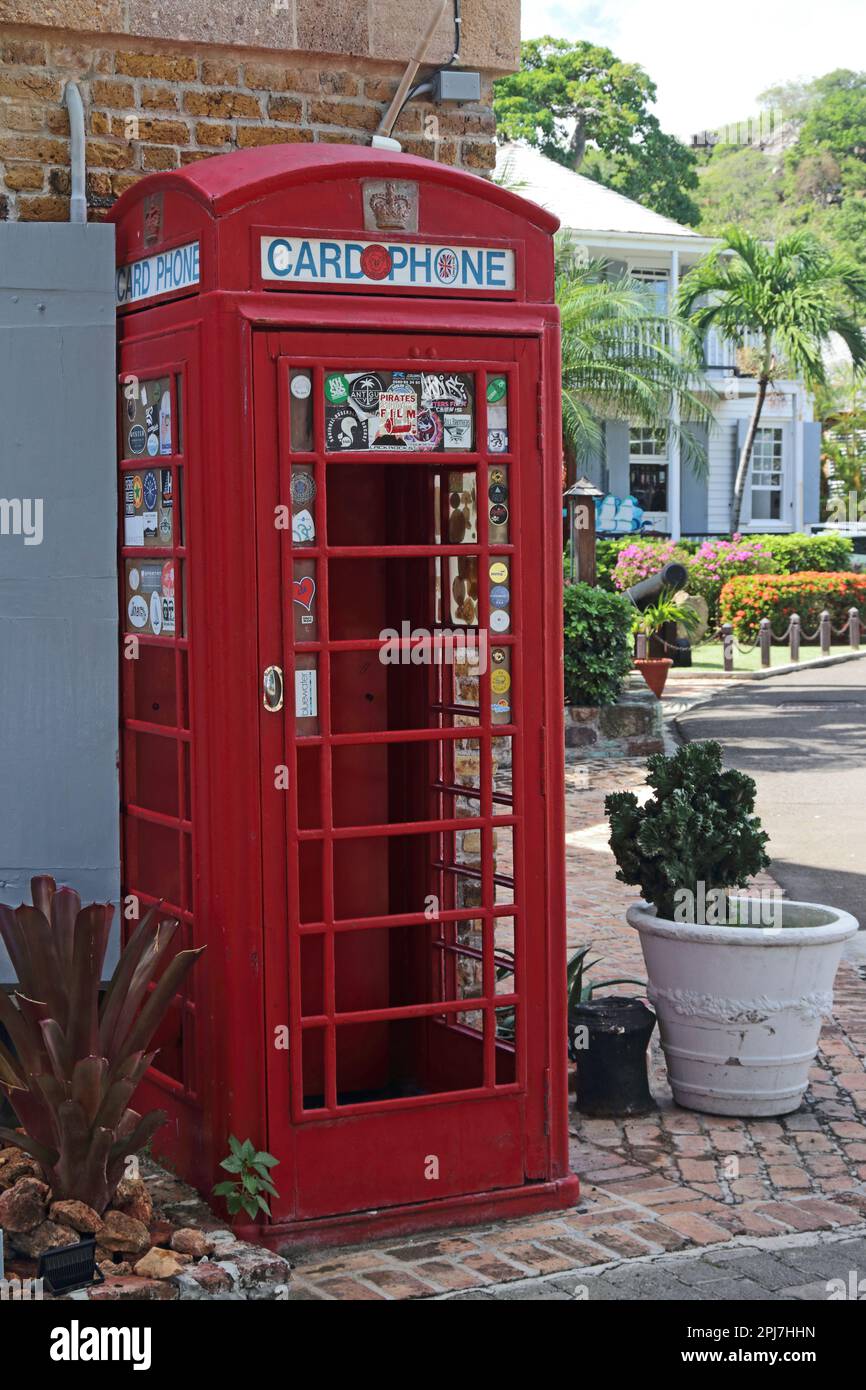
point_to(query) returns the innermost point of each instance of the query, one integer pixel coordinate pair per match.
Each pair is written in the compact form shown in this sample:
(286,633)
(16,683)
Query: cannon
(670,576)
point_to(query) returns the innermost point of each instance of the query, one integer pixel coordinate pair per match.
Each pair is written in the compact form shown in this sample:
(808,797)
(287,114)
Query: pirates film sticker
(394,411)
(146,417)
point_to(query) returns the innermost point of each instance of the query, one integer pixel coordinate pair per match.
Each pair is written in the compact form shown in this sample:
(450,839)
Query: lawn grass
(710,658)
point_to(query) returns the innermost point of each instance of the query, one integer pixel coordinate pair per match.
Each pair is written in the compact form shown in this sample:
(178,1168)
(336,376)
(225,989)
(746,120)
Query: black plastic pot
(612,1065)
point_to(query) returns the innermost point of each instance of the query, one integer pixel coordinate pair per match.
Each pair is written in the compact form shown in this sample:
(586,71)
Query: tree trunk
(577,148)
(746,454)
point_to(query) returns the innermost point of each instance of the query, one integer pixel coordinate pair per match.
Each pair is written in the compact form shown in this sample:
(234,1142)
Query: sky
(710,62)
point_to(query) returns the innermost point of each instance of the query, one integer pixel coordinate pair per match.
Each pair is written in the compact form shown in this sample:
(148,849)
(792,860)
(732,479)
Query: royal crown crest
(390,208)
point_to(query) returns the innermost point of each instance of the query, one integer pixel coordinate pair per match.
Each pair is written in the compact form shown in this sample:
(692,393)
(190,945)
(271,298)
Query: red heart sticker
(305,591)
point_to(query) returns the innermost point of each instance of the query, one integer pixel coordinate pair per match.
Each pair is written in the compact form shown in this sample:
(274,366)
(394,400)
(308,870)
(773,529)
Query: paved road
(803,739)
(767,1270)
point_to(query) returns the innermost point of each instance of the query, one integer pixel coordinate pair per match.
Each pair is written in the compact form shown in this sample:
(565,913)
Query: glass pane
(497,413)
(304,601)
(303,490)
(146,416)
(301,402)
(498,505)
(150,597)
(306,695)
(398,410)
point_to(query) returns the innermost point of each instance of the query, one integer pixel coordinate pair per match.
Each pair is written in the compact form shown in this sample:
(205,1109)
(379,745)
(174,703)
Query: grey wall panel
(58,598)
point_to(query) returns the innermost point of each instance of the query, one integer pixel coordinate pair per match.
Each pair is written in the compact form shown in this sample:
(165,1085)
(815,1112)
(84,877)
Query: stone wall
(166,85)
(632,728)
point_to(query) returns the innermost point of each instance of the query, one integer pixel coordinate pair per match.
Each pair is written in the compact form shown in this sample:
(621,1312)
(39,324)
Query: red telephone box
(342,677)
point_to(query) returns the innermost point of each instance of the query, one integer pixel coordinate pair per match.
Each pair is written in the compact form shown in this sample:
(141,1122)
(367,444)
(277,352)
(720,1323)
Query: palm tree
(622,359)
(785,301)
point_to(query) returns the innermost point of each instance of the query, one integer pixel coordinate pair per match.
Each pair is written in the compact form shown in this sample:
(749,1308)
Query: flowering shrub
(746,599)
(639,559)
(717,561)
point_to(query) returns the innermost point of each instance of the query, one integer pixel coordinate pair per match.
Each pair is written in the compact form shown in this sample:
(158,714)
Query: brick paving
(660,1191)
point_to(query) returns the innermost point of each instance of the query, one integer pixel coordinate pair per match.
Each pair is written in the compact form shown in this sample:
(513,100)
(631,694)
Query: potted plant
(647,626)
(607,1041)
(740,983)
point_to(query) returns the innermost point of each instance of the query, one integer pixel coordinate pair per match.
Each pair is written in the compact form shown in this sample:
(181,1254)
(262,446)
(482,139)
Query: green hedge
(796,553)
(598,644)
(748,598)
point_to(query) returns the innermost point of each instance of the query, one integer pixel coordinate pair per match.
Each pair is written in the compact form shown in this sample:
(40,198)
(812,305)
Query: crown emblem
(390,209)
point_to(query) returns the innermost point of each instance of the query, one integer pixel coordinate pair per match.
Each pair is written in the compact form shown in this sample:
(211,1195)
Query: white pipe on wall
(78,200)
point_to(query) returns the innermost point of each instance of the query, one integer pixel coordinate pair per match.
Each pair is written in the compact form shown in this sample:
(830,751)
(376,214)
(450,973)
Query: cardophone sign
(164,273)
(311,261)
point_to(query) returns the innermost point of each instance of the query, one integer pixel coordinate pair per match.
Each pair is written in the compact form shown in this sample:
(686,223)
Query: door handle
(272,689)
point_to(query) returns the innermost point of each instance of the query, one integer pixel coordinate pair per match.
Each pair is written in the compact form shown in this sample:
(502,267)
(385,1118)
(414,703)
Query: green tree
(740,187)
(784,301)
(621,359)
(581,106)
(660,172)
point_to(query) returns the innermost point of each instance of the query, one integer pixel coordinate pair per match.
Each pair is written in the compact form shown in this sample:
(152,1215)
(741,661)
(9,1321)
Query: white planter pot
(740,1008)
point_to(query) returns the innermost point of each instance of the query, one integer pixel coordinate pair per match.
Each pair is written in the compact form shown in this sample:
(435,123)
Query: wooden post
(584,540)
(854,628)
(765,638)
(794,636)
(728,645)
(824,633)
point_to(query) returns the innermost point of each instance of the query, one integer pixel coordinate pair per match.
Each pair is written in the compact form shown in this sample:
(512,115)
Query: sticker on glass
(336,388)
(366,390)
(457,431)
(397,412)
(303,593)
(500,620)
(303,528)
(301,387)
(306,704)
(344,429)
(496,388)
(303,489)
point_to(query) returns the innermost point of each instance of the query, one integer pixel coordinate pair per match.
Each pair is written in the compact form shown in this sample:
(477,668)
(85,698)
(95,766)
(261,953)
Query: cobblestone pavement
(673,1201)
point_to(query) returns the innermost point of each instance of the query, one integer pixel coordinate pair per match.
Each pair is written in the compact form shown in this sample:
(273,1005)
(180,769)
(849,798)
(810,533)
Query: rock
(160,1264)
(189,1241)
(78,1215)
(23,1206)
(47,1236)
(112,1270)
(257,1266)
(15,1164)
(205,1279)
(124,1234)
(130,1287)
(161,1232)
(133,1199)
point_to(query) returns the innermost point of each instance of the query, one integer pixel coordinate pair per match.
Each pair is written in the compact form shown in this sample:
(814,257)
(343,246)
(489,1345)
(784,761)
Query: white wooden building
(782,492)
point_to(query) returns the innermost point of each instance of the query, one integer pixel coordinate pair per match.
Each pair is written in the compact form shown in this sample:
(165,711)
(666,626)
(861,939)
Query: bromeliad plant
(78,1060)
(697,835)
(579,992)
